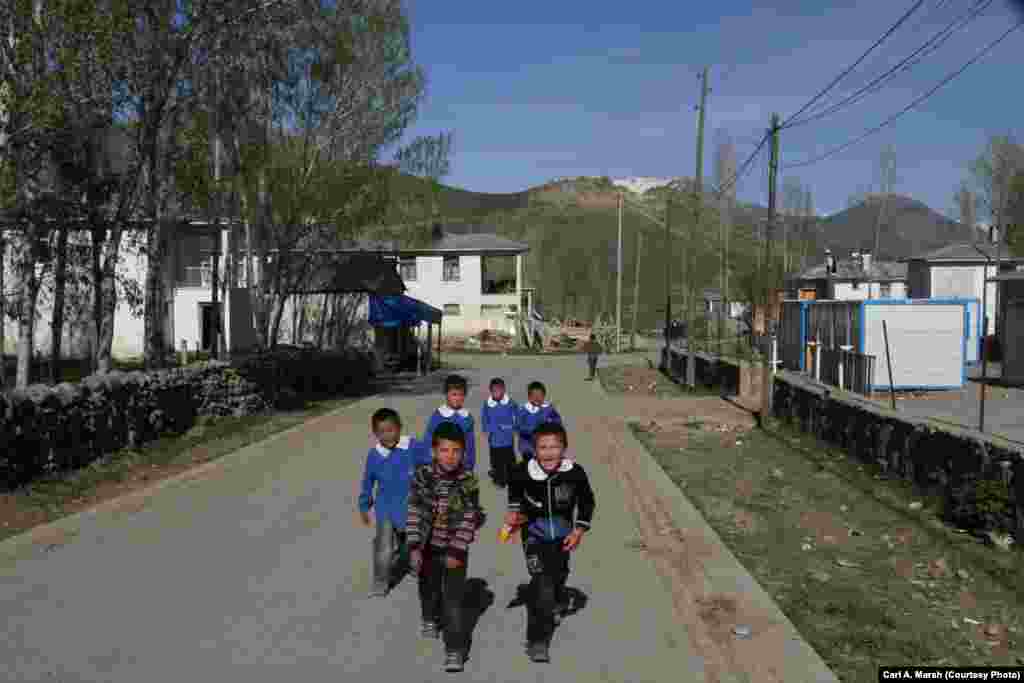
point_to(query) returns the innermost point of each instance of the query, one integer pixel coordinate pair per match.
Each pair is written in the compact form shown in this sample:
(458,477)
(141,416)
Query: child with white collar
(535,412)
(390,466)
(453,410)
(498,421)
(551,503)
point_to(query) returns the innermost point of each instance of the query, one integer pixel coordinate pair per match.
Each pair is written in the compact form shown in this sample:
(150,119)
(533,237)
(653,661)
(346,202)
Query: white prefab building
(960,271)
(475,279)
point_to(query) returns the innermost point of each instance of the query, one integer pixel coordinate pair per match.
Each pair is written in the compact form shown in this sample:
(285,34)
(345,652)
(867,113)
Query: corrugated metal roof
(964,252)
(884,271)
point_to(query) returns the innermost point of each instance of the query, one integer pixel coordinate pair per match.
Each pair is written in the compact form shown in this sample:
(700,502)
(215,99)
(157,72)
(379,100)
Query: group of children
(426,500)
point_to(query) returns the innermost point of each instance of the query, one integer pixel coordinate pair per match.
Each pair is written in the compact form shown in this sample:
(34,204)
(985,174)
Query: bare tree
(792,207)
(725,184)
(1015,214)
(886,185)
(967,208)
(992,174)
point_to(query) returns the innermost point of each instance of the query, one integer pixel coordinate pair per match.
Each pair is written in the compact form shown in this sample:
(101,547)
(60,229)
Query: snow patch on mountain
(641,184)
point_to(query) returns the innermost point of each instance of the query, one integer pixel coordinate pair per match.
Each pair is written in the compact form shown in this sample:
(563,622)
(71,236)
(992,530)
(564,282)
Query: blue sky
(535,90)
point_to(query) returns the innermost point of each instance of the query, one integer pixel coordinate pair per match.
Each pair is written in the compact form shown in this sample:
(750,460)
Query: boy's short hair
(497,382)
(536,386)
(385,415)
(549,428)
(454,382)
(448,431)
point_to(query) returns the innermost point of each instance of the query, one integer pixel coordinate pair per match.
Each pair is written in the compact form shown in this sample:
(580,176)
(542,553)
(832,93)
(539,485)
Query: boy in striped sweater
(443,518)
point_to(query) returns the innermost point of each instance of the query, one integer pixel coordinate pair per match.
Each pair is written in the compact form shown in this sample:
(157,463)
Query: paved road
(253,569)
(1004,409)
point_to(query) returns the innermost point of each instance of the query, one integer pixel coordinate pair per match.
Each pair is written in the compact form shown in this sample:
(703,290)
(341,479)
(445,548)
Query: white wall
(477,311)
(926,343)
(845,291)
(965,282)
(128,328)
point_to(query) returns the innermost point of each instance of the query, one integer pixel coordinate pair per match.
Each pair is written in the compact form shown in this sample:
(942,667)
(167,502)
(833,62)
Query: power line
(916,6)
(835,150)
(930,46)
(743,168)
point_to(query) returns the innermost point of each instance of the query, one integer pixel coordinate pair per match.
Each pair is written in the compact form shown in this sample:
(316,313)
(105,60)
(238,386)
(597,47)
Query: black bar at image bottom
(950,673)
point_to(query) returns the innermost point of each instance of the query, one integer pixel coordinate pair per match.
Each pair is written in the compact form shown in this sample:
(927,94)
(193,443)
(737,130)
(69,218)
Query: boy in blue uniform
(453,410)
(535,412)
(390,466)
(498,421)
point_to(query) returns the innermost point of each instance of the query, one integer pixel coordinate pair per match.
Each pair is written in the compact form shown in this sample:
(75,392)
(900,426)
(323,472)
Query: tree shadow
(413,384)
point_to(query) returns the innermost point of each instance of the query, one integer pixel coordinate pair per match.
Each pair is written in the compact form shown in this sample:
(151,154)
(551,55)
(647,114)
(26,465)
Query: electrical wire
(835,150)
(721,191)
(930,46)
(906,15)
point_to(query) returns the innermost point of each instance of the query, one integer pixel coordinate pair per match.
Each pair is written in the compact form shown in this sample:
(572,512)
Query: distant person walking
(593,351)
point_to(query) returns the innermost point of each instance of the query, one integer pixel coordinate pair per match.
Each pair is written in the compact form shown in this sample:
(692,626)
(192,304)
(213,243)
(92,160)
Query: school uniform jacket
(390,471)
(529,417)
(498,421)
(464,419)
(444,511)
(553,504)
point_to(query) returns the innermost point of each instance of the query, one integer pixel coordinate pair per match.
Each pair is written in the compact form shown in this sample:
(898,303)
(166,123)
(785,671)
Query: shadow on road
(412,384)
(577,601)
(477,599)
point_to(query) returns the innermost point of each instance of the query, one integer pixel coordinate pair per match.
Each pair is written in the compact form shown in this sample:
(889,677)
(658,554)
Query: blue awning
(401,311)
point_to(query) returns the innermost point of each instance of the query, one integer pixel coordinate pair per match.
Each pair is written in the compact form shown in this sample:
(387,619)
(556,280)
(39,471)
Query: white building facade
(960,271)
(476,280)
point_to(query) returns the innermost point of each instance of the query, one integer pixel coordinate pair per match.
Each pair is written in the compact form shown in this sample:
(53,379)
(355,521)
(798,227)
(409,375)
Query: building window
(452,309)
(451,269)
(885,290)
(407,268)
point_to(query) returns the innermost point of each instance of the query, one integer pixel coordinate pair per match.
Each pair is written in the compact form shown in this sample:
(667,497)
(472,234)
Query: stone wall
(734,377)
(47,430)
(980,478)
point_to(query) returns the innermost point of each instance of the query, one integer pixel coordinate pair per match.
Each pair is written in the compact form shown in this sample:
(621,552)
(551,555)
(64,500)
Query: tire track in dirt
(679,558)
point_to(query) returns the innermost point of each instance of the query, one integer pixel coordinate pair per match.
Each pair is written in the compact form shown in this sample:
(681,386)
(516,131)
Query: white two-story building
(475,278)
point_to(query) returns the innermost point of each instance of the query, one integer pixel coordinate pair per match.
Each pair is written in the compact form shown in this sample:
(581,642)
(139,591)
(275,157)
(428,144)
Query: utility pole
(698,189)
(668,270)
(769,270)
(618,286)
(636,287)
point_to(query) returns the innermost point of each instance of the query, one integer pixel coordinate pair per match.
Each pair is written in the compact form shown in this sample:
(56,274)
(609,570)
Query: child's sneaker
(454,662)
(429,629)
(538,652)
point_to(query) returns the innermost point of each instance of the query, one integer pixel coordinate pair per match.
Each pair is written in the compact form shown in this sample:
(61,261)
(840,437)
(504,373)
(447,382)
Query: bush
(46,430)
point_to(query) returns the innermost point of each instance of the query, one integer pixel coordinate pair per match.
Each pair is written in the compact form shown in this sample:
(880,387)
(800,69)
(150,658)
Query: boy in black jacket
(543,495)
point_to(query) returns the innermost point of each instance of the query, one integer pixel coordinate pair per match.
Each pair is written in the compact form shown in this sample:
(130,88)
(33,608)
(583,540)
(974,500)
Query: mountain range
(571,225)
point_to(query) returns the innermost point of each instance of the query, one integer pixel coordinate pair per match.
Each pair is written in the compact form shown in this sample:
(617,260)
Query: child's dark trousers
(592,364)
(441,593)
(548,565)
(502,459)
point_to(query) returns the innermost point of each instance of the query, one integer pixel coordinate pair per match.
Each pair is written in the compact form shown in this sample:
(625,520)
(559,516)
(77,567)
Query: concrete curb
(59,531)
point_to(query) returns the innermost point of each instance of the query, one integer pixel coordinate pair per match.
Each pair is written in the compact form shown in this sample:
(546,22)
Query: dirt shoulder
(864,578)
